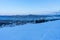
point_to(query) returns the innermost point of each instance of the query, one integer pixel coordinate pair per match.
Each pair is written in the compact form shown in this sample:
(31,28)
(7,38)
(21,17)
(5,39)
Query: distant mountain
(23,19)
(58,13)
(55,13)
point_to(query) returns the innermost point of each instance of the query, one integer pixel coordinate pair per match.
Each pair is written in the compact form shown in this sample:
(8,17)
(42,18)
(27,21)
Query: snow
(42,31)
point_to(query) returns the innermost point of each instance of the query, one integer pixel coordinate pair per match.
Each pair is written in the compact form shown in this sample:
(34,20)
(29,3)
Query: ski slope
(42,31)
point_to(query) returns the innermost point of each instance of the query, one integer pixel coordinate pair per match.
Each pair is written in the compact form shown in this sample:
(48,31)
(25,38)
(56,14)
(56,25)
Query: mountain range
(23,19)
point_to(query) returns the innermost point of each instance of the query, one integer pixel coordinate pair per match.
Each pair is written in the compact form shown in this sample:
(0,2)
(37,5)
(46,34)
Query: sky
(18,7)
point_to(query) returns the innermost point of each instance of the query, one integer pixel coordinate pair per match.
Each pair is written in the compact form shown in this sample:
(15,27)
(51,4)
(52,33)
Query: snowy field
(43,31)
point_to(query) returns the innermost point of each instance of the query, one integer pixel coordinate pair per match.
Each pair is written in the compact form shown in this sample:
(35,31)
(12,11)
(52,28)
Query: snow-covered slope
(43,31)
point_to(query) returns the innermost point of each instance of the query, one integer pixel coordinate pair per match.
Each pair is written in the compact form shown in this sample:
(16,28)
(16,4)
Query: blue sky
(8,7)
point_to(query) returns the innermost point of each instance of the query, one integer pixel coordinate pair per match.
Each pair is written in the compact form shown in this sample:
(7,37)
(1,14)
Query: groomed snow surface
(41,31)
